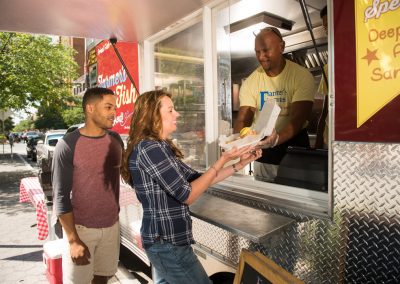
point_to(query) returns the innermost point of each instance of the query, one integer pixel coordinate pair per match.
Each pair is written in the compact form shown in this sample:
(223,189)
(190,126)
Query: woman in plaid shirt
(166,186)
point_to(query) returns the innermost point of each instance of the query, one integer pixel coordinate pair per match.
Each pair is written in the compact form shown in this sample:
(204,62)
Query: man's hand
(79,253)
(270,141)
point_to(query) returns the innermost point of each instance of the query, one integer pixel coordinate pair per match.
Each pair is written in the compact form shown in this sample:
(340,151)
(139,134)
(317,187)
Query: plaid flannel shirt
(162,184)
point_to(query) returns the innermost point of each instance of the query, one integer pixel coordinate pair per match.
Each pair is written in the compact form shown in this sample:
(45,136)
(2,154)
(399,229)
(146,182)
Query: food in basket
(250,136)
(247,131)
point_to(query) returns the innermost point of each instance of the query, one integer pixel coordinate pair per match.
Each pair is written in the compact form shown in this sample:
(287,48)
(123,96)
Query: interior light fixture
(263,17)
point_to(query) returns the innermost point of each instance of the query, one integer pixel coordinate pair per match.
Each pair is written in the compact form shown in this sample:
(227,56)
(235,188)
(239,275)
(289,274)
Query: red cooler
(52,259)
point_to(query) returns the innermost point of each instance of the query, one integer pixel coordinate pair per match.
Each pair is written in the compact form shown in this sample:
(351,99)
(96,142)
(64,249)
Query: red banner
(111,74)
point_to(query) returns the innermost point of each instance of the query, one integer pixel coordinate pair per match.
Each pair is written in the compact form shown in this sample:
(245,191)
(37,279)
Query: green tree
(34,71)
(73,115)
(24,125)
(50,117)
(8,125)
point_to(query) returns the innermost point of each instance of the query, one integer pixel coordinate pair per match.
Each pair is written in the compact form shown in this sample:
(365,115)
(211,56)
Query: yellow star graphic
(371,55)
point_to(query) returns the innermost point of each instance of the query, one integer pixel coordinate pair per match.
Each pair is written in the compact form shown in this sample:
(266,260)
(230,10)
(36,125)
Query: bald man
(292,86)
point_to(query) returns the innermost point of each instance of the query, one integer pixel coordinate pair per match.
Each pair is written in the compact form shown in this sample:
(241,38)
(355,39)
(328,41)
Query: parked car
(75,126)
(15,136)
(45,149)
(25,136)
(31,147)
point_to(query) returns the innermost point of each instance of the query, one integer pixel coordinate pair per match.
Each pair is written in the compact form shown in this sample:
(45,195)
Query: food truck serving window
(203,64)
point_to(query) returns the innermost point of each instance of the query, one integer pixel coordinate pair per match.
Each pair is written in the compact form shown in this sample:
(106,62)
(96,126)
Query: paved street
(20,249)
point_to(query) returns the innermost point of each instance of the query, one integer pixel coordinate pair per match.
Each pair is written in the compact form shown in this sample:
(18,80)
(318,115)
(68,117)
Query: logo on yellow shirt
(279,96)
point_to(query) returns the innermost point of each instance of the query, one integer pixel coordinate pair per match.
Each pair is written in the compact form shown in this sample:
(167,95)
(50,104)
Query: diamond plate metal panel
(362,242)
(367,197)
(221,243)
(308,249)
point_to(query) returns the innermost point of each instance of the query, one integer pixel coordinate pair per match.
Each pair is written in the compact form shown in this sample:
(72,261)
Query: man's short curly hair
(94,94)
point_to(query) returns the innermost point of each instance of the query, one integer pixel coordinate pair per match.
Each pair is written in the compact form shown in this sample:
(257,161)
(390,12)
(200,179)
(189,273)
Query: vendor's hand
(269,141)
(79,253)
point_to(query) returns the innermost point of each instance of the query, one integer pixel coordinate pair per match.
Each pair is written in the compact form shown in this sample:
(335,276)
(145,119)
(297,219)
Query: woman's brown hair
(146,123)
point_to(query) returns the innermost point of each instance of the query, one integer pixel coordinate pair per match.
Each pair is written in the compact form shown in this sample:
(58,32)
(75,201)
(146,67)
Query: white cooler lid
(54,249)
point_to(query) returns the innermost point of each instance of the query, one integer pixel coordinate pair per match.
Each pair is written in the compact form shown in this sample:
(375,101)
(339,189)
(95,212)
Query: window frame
(294,199)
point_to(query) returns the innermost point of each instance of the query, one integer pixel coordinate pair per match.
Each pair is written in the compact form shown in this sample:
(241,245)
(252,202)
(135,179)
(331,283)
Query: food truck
(333,216)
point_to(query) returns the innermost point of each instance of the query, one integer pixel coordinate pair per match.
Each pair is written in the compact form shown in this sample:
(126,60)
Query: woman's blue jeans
(176,265)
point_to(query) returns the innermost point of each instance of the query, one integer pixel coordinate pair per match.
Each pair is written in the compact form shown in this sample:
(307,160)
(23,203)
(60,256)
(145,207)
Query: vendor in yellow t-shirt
(292,86)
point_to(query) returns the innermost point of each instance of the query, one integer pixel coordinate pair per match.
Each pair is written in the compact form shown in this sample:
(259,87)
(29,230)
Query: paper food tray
(264,126)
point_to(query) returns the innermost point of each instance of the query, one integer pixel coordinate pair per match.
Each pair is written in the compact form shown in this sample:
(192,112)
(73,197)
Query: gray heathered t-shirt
(86,177)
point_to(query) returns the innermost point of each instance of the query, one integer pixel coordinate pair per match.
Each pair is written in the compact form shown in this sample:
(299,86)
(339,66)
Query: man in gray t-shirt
(85,179)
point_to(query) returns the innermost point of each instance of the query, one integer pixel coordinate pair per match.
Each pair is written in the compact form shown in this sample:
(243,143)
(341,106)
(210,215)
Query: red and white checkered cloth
(30,190)
(127,195)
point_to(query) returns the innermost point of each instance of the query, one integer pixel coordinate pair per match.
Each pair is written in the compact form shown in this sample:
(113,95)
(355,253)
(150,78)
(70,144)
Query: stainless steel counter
(246,221)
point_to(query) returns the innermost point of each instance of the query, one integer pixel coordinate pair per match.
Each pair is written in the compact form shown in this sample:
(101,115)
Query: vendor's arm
(248,106)
(245,118)
(300,109)
(299,114)
(319,142)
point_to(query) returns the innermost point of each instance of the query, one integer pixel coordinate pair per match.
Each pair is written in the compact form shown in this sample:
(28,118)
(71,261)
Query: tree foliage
(34,71)
(49,117)
(73,115)
(24,125)
(8,125)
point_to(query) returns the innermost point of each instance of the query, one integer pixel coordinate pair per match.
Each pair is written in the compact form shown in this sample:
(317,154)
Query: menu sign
(378,55)
(111,74)
(366,70)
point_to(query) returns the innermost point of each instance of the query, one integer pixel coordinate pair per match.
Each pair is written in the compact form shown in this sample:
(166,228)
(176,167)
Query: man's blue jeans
(176,265)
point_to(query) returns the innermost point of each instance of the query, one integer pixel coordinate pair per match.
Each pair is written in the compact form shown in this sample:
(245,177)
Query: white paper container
(264,126)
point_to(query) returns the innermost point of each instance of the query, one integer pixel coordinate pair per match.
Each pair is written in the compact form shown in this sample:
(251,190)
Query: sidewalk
(20,250)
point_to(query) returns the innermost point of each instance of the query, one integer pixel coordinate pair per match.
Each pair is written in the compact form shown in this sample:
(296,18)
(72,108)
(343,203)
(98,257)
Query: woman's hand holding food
(247,158)
(235,153)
